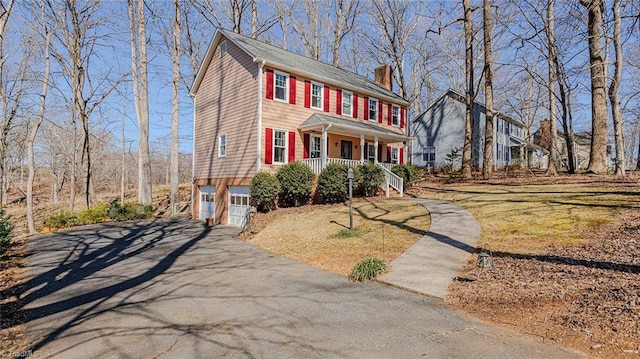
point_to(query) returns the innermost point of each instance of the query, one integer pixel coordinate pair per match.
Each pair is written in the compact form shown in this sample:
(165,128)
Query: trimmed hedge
(409,173)
(99,214)
(264,190)
(296,182)
(371,177)
(333,183)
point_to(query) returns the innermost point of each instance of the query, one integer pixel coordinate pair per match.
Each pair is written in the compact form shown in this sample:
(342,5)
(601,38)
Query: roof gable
(292,62)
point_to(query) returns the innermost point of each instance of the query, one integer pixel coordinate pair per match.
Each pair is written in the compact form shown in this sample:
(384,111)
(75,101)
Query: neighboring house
(258,107)
(439,131)
(581,146)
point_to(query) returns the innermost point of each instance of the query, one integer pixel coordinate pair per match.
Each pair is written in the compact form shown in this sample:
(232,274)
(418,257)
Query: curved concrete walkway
(430,265)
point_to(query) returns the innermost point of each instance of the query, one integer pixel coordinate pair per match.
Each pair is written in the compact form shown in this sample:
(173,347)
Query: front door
(345,149)
(207,202)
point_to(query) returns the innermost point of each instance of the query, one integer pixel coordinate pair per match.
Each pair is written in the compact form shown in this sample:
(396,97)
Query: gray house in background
(440,130)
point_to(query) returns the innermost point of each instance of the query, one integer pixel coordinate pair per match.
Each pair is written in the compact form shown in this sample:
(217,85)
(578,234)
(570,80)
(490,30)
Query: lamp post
(350,177)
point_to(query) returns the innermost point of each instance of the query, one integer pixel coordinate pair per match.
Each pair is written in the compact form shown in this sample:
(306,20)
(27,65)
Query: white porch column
(361,148)
(323,147)
(375,146)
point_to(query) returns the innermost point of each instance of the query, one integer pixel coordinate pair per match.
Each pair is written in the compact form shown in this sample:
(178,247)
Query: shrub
(409,173)
(371,178)
(5,229)
(95,214)
(62,220)
(333,184)
(368,269)
(128,211)
(296,182)
(264,190)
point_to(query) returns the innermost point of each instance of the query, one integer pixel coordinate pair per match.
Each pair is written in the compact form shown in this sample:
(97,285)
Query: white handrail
(392,180)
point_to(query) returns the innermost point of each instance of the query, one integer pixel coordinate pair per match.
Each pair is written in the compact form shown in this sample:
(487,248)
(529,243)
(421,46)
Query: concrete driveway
(177,289)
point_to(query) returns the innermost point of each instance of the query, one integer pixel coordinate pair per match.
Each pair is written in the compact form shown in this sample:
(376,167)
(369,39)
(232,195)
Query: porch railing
(390,178)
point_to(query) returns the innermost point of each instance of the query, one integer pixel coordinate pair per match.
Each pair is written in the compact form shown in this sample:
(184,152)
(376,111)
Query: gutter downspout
(259,119)
(193,159)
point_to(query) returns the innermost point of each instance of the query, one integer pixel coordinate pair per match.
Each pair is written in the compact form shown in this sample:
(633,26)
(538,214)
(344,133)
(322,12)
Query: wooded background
(94,93)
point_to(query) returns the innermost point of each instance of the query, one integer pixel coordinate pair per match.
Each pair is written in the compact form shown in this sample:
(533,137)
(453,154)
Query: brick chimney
(384,77)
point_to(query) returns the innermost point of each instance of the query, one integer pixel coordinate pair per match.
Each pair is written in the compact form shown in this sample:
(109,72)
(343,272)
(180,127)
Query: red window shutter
(379,111)
(388,155)
(292,90)
(307,94)
(354,104)
(270,84)
(292,146)
(365,110)
(402,155)
(339,102)
(268,146)
(389,109)
(326,99)
(307,142)
(401,117)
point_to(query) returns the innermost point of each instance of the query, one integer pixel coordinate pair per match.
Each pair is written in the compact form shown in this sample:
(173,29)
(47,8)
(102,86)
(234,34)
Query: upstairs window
(316,96)
(281,86)
(373,110)
(222,145)
(395,116)
(223,48)
(347,108)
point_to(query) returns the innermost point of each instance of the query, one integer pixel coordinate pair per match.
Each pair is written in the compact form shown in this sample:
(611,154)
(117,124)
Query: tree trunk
(487,156)
(175,106)
(34,131)
(552,167)
(598,157)
(468,37)
(613,93)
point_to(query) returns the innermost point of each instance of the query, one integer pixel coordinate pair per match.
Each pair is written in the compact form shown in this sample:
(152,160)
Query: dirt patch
(12,333)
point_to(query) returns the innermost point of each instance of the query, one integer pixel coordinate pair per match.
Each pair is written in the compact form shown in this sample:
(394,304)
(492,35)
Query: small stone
(596,346)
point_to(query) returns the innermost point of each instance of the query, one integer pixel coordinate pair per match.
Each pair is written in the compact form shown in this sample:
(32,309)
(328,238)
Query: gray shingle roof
(357,126)
(276,56)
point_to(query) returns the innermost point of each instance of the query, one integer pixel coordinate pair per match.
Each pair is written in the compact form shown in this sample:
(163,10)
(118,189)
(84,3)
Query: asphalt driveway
(177,289)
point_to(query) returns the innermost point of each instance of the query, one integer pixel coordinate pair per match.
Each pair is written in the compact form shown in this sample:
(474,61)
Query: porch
(329,139)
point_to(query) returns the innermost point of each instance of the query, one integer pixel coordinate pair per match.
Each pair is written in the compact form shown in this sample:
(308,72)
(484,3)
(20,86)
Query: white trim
(193,152)
(286,147)
(350,101)
(321,95)
(377,109)
(287,84)
(220,154)
(259,120)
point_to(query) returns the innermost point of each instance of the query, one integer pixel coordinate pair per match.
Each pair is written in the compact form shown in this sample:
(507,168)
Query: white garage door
(238,205)
(207,202)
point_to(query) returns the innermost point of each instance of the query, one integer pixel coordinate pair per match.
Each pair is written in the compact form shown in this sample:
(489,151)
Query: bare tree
(469,93)
(36,125)
(8,109)
(175,106)
(141,96)
(346,13)
(552,167)
(598,157)
(309,29)
(487,156)
(616,112)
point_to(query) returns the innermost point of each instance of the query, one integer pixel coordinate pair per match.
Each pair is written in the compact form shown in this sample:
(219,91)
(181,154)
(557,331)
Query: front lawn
(319,234)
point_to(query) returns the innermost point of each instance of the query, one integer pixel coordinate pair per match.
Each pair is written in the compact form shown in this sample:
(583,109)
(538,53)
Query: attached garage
(238,205)
(207,197)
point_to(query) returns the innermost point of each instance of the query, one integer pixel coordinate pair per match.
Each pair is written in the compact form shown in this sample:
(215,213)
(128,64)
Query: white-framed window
(347,103)
(395,115)
(429,154)
(314,146)
(317,90)
(279,146)
(394,155)
(371,152)
(281,86)
(222,145)
(373,109)
(223,48)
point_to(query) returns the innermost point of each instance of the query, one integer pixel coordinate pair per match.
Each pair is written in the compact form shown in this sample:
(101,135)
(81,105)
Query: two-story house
(439,131)
(258,107)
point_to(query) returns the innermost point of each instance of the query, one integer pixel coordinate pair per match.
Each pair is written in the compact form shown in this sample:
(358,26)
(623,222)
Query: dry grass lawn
(319,235)
(529,218)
